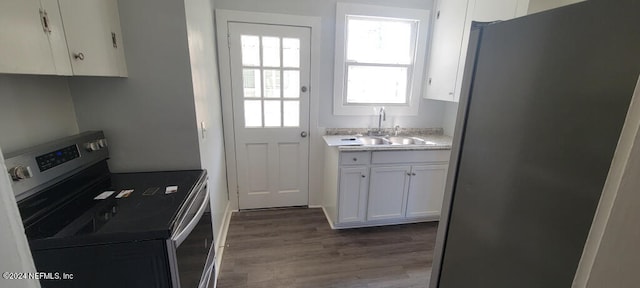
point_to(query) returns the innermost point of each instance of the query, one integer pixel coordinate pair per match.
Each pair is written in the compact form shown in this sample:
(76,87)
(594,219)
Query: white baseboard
(315,206)
(326,215)
(222,240)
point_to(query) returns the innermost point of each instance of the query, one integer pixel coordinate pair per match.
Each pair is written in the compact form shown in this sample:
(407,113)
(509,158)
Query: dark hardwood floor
(297,248)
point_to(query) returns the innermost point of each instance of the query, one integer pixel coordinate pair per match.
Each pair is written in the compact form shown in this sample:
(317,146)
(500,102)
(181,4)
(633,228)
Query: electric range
(158,235)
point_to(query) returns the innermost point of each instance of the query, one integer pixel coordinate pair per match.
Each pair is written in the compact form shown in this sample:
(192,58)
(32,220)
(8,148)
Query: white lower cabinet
(354,185)
(388,192)
(424,179)
(367,188)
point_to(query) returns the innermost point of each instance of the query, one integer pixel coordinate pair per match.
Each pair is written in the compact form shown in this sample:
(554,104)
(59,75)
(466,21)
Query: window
(271,81)
(380,54)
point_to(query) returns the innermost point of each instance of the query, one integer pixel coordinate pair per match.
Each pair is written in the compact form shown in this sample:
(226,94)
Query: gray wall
(149,118)
(431,112)
(206,90)
(33,110)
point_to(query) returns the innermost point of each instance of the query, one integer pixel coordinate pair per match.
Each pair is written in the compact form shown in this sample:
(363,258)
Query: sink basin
(404,140)
(373,141)
(394,140)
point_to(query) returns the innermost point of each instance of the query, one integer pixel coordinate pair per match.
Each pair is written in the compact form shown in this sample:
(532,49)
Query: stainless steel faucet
(381,117)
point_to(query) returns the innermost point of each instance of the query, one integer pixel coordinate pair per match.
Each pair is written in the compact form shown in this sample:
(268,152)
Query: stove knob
(102,143)
(92,146)
(20,172)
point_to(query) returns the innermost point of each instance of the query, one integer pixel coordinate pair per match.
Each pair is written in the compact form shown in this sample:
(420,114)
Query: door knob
(303,89)
(303,134)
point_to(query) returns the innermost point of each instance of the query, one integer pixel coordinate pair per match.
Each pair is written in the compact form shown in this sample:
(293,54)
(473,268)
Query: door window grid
(271,90)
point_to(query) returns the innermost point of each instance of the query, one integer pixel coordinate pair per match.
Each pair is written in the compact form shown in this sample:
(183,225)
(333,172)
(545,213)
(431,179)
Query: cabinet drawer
(418,156)
(355,158)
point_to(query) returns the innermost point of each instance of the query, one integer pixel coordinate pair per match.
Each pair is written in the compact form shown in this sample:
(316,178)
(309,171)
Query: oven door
(191,247)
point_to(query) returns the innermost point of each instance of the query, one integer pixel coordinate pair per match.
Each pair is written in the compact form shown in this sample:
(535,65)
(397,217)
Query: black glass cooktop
(68,213)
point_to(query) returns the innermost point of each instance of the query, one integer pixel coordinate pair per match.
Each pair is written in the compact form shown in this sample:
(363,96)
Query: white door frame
(223,17)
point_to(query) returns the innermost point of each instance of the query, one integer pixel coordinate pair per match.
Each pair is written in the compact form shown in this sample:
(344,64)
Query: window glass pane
(271,51)
(272,83)
(291,83)
(291,52)
(367,84)
(252,113)
(379,41)
(291,113)
(251,83)
(250,50)
(272,113)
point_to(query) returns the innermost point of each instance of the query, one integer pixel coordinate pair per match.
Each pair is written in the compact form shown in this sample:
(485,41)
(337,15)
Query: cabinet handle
(355,159)
(408,173)
(45,21)
(113,40)
(78,56)
(413,174)
(363,176)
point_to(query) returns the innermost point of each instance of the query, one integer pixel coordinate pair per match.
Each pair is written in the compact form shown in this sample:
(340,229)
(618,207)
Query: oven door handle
(182,235)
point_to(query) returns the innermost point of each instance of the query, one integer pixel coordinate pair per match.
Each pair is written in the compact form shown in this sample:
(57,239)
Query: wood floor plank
(297,248)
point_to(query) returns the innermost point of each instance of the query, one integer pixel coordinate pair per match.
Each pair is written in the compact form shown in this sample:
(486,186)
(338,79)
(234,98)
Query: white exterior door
(270,80)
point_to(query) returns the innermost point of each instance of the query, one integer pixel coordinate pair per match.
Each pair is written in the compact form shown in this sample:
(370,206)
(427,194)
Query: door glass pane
(272,83)
(250,50)
(251,83)
(271,51)
(272,113)
(291,113)
(291,52)
(252,113)
(370,84)
(291,83)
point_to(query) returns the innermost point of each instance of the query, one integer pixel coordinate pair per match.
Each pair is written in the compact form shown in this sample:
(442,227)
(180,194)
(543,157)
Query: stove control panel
(37,167)
(95,145)
(58,157)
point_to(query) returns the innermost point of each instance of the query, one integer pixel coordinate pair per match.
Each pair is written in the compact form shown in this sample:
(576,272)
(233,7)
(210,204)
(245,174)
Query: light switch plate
(203,127)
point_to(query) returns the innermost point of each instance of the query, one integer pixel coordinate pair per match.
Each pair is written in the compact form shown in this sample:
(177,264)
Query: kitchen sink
(394,140)
(374,141)
(405,140)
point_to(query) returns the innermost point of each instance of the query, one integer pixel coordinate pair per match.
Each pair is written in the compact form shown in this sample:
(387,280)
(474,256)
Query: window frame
(415,71)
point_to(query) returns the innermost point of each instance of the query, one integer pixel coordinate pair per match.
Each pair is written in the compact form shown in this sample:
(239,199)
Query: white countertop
(351,143)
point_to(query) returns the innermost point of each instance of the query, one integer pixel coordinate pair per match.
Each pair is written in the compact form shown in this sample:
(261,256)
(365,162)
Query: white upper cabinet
(94,37)
(451,38)
(34,40)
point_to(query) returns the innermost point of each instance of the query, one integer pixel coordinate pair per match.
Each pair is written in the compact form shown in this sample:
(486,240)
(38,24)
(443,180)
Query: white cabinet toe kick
(374,188)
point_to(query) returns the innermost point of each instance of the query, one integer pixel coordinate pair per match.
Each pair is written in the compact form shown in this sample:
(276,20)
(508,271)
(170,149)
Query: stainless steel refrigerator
(543,103)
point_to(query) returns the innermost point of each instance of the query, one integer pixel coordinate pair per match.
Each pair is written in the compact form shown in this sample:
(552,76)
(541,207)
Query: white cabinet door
(445,49)
(387,192)
(485,11)
(426,190)
(354,184)
(24,40)
(93,37)
(451,38)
